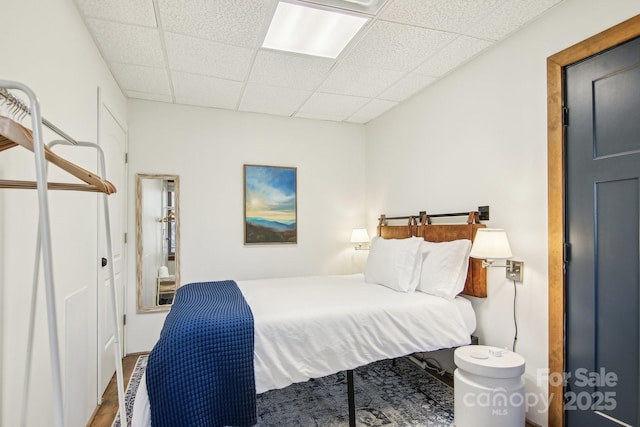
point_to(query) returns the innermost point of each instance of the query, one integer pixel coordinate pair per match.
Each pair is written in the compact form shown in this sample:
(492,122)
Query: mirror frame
(141,308)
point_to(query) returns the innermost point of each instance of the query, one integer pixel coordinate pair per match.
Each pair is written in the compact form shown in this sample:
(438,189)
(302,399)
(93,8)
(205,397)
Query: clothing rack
(13,134)
(19,106)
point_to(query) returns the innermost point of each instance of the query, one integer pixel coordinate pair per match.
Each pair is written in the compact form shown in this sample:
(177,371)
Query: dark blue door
(602,225)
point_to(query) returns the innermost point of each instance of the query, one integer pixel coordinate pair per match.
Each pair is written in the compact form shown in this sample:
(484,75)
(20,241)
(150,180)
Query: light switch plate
(515,270)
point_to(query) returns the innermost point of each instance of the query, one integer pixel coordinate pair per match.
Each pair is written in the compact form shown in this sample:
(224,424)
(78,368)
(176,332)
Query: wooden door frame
(621,33)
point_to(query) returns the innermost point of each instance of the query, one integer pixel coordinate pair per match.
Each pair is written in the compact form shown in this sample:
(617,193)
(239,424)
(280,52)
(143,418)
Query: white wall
(491,112)
(207,149)
(45,45)
(478,137)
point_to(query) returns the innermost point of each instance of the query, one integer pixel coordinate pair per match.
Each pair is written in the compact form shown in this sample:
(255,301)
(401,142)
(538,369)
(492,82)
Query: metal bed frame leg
(351,397)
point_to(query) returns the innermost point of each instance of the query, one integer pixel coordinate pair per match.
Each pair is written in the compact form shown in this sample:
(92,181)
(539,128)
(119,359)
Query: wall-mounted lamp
(361,238)
(491,244)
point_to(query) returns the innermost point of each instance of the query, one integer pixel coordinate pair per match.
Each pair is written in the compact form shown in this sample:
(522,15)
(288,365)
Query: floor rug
(132,388)
(387,394)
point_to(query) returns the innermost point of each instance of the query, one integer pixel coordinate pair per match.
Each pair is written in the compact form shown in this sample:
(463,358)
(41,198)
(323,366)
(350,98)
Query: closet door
(603,220)
(112,138)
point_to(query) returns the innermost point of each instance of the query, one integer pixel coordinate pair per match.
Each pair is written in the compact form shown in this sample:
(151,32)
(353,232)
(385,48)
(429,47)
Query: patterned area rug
(386,395)
(132,388)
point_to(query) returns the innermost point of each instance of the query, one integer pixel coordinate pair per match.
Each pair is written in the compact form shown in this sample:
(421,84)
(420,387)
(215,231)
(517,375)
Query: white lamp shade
(359,235)
(163,271)
(491,243)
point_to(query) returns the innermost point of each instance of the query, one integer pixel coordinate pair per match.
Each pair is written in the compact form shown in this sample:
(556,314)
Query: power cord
(515,321)
(436,367)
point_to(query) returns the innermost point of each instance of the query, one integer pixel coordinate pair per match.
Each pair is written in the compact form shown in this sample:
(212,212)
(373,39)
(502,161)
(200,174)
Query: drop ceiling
(208,52)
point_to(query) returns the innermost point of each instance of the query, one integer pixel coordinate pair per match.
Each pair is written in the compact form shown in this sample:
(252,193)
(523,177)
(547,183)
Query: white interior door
(112,138)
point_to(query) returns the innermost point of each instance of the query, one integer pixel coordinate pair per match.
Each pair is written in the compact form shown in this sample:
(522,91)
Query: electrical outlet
(515,270)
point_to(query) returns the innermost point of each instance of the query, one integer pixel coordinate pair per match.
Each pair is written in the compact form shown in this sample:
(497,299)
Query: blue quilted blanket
(200,373)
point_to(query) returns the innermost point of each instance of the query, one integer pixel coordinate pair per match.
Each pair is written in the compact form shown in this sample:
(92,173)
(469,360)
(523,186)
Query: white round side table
(488,387)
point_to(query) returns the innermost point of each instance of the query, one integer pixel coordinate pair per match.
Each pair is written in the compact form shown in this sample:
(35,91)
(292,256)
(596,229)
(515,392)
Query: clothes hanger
(13,134)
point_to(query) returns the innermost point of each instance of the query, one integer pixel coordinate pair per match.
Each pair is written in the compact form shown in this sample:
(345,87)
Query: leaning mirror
(158,241)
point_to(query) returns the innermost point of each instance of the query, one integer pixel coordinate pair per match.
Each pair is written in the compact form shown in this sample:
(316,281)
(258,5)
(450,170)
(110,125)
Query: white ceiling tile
(289,70)
(139,12)
(149,96)
(239,23)
(206,91)
(314,116)
(372,110)
(510,16)
(406,87)
(359,81)
(208,58)
(396,47)
(446,15)
(141,79)
(327,106)
(127,43)
(272,100)
(207,52)
(370,7)
(451,56)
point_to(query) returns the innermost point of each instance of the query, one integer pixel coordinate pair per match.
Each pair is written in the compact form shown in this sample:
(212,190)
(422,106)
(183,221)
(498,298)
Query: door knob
(104,262)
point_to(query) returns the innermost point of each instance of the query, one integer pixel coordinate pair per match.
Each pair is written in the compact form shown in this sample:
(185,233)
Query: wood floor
(106,412)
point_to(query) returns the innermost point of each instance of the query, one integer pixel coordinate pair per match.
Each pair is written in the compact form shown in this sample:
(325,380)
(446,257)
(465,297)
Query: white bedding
(310,327)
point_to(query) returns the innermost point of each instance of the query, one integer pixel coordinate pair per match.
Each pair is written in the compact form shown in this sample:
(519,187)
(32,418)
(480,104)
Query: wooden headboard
(476,284)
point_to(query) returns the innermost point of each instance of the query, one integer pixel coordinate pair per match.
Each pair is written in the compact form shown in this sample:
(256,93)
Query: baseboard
(93,415)
(139,353)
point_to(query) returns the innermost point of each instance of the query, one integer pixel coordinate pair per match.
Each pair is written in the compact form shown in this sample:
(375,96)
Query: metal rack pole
(17,103)
(32,322)
(45,235)
(117,352)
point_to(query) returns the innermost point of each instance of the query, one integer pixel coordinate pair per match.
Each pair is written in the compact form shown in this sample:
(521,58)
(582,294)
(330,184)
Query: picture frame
(270,205)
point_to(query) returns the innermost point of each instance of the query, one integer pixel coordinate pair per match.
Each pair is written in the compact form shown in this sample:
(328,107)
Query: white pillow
(444,270)
(394,263)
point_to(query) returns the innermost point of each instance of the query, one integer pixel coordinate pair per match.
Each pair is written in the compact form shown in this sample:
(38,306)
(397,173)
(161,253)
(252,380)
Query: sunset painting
(270,214)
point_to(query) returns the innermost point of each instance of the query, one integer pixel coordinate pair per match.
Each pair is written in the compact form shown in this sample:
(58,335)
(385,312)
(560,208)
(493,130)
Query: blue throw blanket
(200,373)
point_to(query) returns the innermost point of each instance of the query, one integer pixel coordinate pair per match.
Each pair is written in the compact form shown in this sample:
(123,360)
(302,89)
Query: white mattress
(310,327)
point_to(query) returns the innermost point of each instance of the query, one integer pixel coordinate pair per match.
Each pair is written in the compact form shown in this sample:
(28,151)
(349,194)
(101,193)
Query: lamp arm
(489,263)
(514,268)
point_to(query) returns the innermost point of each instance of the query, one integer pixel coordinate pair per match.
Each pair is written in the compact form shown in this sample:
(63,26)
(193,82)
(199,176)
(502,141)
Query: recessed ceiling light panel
(311,31)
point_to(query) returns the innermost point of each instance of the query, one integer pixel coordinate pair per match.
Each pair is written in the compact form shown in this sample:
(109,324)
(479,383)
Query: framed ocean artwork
(270,205)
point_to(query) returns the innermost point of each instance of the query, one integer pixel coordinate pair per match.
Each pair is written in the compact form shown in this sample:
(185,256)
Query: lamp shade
(491,243)
(359,235)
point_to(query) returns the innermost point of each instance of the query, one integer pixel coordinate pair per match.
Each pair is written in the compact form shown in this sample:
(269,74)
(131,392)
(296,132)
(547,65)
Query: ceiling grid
(208,52)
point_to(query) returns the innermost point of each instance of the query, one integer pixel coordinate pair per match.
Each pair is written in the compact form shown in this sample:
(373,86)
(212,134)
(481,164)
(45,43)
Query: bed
(310,327)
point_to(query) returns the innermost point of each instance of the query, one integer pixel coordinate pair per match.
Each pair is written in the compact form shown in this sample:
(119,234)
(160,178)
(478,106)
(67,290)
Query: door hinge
(565,116)
(124,319)
(566,252)
(125,238)
(126,158)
